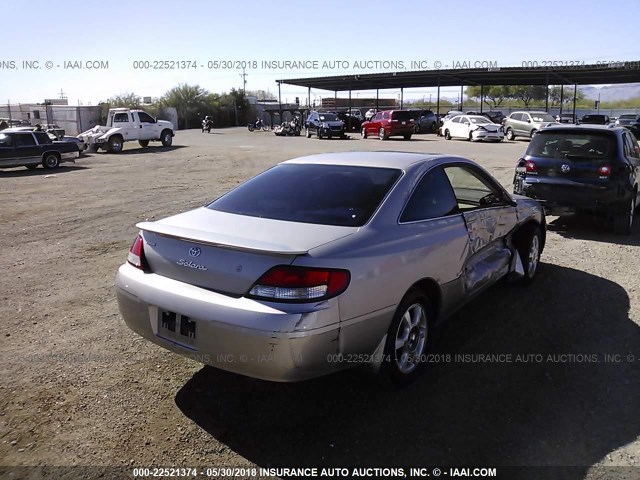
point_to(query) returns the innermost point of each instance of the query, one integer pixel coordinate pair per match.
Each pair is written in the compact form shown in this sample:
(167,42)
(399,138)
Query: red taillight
(604,170)
(531,166)
(136,253)
(300,284)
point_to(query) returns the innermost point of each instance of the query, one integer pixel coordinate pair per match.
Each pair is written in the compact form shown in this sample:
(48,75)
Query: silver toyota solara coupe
(327,262)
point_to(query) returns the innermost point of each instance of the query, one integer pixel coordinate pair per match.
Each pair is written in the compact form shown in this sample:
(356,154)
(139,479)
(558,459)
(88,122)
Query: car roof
(598,128)
(18,129)
(385,159)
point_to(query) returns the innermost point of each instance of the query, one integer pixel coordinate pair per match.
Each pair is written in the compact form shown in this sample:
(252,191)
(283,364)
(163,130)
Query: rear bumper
(239,335)
(563,198)
(399,130)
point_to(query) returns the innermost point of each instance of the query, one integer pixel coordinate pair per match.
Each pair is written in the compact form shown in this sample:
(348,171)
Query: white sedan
(472,127)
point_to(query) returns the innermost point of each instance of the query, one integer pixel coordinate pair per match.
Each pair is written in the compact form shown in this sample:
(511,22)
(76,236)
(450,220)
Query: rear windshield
(542,117)
(401,115)
(627,117)
(572,146)
(322,194)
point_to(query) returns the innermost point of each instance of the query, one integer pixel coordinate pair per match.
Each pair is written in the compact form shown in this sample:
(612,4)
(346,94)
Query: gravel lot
(78,388)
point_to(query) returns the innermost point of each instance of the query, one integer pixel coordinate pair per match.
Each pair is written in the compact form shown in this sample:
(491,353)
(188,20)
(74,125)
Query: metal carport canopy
(598,74)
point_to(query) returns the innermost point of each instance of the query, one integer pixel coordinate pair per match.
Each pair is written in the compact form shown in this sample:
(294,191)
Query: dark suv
(595,119)
(425,121)
(583,168)
(324,124)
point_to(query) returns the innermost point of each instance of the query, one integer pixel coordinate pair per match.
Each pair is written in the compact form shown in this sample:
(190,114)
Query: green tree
(129,100)
(492,95)
(188,100)
(567,96)
(528,93)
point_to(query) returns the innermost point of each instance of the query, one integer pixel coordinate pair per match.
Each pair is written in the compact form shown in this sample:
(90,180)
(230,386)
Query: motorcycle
(258,125)
(288,129)
(207,125)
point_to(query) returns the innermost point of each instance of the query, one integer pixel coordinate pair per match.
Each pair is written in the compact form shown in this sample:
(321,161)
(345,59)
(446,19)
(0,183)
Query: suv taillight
(604,171)
(530,166)
(286,283)
(136,253)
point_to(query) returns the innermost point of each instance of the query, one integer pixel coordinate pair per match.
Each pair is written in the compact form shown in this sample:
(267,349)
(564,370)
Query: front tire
(308,133)
(166,138)
(529,245)
(363,133)
(533,132)
(409,339)
(447,134)
(407,136)
(31,167)
(143,143)
(50,160)
(382,135)
(115,144)
(510,135)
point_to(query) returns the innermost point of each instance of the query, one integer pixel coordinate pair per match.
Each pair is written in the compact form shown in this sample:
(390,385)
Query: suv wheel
(382,135)
(623,218)
(510,134)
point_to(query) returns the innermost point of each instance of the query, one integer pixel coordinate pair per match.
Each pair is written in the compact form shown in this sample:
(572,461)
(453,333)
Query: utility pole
(62,97)
(244,80)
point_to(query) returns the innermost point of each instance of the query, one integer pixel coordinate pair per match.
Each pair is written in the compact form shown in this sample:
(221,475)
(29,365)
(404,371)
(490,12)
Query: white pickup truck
(125,125)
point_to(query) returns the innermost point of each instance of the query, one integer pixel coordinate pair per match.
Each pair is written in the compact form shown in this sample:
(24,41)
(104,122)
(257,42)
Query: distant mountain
(611,93)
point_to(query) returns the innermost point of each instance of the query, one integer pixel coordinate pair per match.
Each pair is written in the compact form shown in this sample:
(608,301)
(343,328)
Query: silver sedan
(327,262)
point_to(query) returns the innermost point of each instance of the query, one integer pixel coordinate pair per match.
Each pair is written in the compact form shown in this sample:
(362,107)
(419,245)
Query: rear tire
(50,160)
(363,133)
(407,136)
(31,167)
(623,218)
(143,143)
(409,340)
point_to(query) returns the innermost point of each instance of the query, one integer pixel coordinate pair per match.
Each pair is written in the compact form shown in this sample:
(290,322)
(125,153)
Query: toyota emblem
(195,252)
(565,168)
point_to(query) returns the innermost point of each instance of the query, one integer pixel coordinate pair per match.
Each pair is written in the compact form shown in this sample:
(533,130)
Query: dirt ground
(79,388)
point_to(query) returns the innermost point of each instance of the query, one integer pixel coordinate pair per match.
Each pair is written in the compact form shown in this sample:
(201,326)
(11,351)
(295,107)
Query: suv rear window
(321,194)
(400,115)
(573,145)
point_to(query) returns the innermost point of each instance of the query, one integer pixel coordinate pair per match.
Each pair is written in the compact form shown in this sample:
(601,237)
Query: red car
(390,123)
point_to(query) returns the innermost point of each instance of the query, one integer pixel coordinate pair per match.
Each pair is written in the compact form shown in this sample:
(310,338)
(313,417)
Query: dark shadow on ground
(597,229)
(24,172)
(151,149)
(547,410)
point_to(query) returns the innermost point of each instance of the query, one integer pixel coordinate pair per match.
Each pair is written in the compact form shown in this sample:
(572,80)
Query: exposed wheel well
(431,289)
(165,131)
(50,152)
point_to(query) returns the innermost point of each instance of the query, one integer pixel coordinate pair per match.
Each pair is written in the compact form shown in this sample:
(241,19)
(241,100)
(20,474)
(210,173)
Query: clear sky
(342,32)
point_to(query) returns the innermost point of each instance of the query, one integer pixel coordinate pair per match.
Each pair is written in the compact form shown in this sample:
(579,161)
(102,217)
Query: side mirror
(528,120)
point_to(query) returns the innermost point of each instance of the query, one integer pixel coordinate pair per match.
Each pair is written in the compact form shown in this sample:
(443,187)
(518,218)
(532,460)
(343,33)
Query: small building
(72,119)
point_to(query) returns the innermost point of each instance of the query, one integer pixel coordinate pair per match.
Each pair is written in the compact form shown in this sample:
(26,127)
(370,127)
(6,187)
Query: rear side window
(42,138)
(516,116)
(573,145)
(322,194)
(432,198)
(120,118)
(400,115)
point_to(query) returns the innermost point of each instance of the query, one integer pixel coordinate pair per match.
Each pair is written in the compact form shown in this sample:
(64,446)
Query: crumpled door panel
(490,256)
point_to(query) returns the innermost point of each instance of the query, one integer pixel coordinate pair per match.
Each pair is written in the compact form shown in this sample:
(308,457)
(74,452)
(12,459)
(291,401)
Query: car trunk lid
(227,252)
